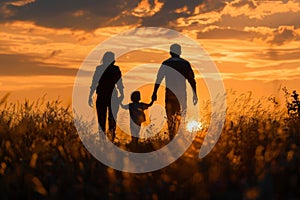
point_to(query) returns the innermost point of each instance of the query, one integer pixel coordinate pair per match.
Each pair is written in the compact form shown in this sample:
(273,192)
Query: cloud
(76,14)
(270,36)
(225,33)
(169,12)
(272,21)
(239,14)
(283,34)
(277,36)
(258,9)
(251,4)
(147,9)
(21,65)
(290,54)
(21,2)
(90,14)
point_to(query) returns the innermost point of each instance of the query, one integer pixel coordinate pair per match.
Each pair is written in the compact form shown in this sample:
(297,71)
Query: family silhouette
(175,70)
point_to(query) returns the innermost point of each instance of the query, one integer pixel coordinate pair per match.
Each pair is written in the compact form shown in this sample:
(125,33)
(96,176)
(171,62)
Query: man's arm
(159,78)
(191,80)
(147,105)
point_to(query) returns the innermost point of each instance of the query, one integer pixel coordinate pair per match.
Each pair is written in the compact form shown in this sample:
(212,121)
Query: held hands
(195,98)
(154,97)
(121,97)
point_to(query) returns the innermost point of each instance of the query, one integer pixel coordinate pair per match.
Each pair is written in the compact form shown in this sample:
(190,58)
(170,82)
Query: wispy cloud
(20,65)
(147,9)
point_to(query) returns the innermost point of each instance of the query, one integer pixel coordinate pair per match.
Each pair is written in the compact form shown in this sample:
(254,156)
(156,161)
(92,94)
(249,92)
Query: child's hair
(136,96)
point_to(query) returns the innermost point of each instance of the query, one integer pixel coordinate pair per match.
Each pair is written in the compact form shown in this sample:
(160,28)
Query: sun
(193,126)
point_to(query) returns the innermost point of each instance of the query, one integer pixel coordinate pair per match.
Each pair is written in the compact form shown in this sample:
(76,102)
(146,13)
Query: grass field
(256,157)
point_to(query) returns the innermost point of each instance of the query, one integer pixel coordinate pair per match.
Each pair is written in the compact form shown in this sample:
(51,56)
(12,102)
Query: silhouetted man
(176,71)
(104,81)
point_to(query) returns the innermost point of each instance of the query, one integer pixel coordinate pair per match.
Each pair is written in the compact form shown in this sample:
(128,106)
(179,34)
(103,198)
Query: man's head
(136,96)
(175,50)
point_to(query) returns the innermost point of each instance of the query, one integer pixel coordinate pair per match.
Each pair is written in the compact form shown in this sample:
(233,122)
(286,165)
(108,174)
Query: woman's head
(108,58)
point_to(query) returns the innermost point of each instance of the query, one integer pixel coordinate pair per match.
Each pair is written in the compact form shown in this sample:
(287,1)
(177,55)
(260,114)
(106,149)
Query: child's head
(136,96)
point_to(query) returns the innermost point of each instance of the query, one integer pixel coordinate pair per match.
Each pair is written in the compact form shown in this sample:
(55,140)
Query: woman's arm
(126,107)
(93,86)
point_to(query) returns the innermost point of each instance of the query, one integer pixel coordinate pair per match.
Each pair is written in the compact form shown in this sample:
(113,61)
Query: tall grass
(256,157)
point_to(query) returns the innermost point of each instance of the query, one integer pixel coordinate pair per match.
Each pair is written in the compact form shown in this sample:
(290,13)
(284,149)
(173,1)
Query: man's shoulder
(169,60)
(175,59)
(183,60)
(116,67)
(109,66)
(176,62)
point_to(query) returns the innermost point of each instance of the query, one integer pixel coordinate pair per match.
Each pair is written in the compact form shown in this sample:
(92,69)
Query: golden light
(193,126)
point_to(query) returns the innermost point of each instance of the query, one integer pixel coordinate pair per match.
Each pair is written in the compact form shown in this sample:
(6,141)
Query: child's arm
(147,105)
(126,107)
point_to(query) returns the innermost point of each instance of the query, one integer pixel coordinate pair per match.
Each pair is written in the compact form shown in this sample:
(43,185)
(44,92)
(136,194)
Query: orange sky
(255,44)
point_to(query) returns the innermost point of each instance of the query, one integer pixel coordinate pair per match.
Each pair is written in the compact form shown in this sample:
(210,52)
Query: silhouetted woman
(106,77)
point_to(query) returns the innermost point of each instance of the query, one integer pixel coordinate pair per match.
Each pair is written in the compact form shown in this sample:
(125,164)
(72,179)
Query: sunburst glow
(193,126)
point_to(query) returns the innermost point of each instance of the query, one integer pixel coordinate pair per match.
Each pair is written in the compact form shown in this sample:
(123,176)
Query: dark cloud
(77,14)
(282,35)
(91,14)
(20,65)
(251,4)
(215,5)
(272,21)
(167,14)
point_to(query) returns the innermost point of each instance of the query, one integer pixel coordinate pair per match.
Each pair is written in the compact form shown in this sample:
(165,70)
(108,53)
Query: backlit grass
(256,157)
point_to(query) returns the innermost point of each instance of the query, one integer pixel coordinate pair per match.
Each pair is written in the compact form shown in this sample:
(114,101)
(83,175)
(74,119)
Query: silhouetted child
(137,115)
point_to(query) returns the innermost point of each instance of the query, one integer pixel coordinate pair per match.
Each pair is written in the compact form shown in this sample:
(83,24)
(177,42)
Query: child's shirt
(136,111)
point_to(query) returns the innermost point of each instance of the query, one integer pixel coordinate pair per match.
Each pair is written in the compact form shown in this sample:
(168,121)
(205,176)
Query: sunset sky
(255,44)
